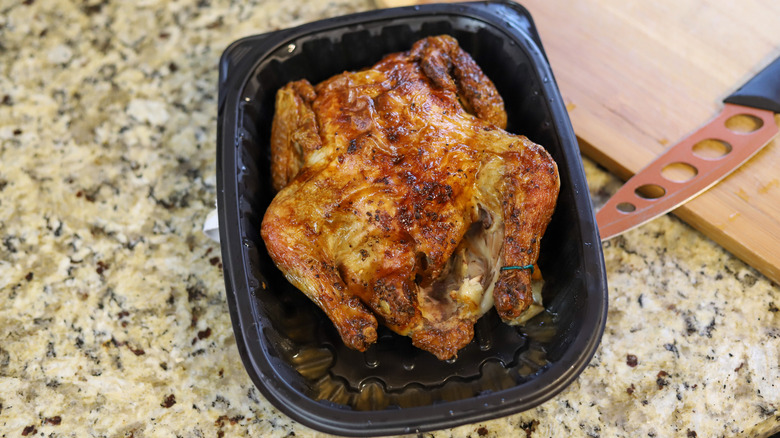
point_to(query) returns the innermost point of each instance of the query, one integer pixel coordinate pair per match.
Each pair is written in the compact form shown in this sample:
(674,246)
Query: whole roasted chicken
(402,201)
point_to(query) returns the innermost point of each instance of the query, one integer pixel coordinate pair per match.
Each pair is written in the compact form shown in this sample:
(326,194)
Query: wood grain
(638,77)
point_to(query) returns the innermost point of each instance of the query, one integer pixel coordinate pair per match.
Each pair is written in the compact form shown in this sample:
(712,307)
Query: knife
(699,161)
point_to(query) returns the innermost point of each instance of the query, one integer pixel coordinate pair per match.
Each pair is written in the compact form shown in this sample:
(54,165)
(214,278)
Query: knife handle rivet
(626,207)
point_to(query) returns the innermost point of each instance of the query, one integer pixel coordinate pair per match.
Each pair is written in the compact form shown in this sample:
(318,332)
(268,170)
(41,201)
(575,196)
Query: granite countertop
(113,316)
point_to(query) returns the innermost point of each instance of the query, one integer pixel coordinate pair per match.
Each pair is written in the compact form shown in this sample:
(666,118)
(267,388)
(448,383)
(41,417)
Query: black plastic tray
(291,350)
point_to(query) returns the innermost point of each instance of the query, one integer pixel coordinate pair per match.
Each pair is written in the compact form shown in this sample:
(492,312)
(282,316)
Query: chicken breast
(402,201)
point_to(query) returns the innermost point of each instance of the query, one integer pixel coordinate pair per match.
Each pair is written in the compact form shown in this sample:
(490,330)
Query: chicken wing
(401,198)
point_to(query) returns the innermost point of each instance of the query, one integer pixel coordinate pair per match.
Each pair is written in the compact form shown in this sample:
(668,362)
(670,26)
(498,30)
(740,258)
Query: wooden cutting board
(637,77)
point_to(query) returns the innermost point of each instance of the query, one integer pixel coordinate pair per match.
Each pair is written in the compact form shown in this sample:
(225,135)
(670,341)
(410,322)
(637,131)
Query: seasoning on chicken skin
(401,197)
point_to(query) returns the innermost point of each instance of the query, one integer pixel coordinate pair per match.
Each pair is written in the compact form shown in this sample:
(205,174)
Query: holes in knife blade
(626,207)
(744,123)
(679,172)
(650,191)
(711,149)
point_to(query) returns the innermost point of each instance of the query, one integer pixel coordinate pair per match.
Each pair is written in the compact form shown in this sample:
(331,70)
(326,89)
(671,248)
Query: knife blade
(700,160)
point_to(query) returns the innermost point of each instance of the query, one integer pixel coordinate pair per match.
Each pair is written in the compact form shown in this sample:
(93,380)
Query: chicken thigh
(402,201)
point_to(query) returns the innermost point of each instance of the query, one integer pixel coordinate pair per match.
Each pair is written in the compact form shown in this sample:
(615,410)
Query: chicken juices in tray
(402,201)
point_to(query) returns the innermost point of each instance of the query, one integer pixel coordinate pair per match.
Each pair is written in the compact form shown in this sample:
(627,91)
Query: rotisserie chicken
(402,200)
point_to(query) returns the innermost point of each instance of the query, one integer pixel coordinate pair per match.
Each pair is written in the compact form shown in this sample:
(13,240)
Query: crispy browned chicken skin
(401,197)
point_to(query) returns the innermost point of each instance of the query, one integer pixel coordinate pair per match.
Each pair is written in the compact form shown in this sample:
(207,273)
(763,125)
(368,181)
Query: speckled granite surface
(113,320)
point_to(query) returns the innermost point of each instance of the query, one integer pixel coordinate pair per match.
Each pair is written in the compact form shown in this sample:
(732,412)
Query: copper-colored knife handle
(649,193)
